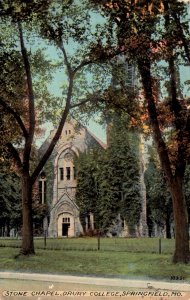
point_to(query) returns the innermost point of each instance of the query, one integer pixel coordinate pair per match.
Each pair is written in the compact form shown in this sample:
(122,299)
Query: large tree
(26,28)
(153,33)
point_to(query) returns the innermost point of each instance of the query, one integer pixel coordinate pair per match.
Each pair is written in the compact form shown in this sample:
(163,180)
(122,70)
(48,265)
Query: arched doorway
(66,226)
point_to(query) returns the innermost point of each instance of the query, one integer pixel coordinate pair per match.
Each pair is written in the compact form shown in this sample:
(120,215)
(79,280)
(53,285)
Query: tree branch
(80,103)
(167,9)
(182,35)
(175,105)
(15,155)
(83,64)
(180,120)
(146,77)
(29,140)
(103,57)
(68,65)
(15,115)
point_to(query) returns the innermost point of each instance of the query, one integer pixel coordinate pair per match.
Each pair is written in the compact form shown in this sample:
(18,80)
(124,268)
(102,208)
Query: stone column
(86,224)
(43,190)
(55,185)
(92,221)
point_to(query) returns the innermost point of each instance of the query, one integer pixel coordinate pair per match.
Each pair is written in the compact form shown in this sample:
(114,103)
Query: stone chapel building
(64,213)
(58,183)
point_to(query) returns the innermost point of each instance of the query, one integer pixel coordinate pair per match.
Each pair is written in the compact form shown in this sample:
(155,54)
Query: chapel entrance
(65,226)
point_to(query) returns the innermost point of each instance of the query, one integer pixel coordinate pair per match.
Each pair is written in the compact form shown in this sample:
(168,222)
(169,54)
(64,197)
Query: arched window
(66,169)
(42,187)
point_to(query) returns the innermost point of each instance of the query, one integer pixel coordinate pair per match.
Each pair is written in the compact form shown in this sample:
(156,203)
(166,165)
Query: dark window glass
(68,173)
(61,171)
(42,191)
(66,220)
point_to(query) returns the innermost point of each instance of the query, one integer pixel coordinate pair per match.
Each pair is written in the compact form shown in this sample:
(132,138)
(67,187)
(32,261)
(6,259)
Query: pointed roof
(73,122)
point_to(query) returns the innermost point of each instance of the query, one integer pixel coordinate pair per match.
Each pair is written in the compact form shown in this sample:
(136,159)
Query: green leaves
(158,196)
(108,180)
(10,195)
(19,9)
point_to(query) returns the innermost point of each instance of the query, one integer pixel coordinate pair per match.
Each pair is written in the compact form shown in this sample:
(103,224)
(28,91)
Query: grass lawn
(137,245)
(104,263)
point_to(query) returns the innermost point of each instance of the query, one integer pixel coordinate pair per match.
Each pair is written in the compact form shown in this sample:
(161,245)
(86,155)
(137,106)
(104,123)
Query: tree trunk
(175,183)
(27,223)
(181,253)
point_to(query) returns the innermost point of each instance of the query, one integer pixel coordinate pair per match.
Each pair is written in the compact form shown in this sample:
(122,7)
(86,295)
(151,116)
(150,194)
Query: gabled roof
(73,122)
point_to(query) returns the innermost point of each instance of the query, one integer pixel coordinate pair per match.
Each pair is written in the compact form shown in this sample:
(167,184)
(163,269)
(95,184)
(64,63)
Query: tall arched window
(66,167)
(42,187)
